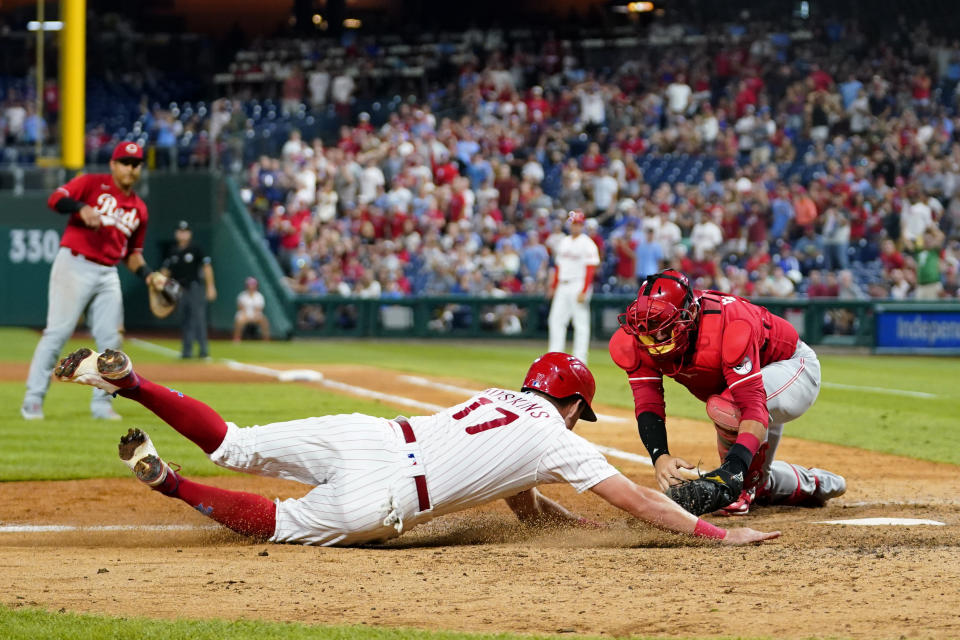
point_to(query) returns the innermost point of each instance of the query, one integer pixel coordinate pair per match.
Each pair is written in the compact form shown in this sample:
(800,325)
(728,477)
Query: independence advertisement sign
(930,332)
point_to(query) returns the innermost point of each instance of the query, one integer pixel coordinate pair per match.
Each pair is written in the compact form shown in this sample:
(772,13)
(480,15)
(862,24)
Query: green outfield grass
(33,624)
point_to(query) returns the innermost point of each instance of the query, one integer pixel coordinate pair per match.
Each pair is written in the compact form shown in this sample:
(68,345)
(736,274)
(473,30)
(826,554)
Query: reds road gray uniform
(751,359)
(574,255)
(496,444)
(84,279)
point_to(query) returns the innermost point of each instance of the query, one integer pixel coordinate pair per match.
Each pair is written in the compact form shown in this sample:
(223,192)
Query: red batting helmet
(663,315)
(560,375)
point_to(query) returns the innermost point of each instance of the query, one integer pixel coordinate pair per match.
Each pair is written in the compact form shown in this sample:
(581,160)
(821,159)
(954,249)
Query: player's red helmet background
(561,375)
(664,306)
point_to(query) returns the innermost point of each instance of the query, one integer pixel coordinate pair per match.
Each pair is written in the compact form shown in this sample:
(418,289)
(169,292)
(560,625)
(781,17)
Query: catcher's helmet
(560,375)
(663,315)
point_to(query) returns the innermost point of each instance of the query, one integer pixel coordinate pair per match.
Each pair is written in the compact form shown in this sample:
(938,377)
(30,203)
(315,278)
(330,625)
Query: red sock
(192,418)
(246,513)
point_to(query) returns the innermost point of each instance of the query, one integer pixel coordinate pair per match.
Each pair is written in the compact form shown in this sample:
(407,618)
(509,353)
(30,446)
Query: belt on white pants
(423,497)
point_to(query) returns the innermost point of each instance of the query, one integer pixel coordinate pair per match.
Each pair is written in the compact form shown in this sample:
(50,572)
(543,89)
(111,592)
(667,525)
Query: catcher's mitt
(709,492)
(164,295)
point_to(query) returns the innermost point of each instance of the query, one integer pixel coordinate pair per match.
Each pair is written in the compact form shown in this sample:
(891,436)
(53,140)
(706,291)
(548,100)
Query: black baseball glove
(709,492)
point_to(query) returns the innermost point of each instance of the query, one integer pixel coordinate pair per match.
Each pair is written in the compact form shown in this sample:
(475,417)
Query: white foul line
(284,376)
(876,522)
(893,392)
(57,528)
(156,348)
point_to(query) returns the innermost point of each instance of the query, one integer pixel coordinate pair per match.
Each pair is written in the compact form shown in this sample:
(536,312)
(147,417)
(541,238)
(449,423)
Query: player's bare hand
(745,535)
(211,294)
(90,216)
(581,296)
(669,471)
(156,280)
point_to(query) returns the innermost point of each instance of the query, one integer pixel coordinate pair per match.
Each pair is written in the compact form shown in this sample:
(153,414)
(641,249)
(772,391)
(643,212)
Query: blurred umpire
(190,266)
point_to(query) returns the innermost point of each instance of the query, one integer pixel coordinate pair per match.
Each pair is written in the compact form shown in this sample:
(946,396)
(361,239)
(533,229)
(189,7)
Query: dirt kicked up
(122,550)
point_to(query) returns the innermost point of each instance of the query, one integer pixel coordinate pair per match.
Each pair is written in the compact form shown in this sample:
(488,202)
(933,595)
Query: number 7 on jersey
(508,417)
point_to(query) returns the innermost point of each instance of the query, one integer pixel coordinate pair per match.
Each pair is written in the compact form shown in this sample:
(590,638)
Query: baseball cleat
(31,411)
(111,370)
(138,453)
(740,506)
(107,413)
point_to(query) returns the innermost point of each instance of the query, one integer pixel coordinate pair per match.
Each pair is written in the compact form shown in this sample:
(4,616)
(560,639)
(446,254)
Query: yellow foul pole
(39,75)
(73,81)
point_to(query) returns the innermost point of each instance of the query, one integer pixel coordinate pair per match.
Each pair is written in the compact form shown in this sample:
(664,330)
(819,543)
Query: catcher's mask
(663,315)
(560,375)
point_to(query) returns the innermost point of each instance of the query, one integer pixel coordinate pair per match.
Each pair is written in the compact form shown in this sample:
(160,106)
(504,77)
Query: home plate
(876,522)
(300,375)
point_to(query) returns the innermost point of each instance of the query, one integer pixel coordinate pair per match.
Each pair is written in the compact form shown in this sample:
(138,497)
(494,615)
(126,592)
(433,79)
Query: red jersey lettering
(123,219)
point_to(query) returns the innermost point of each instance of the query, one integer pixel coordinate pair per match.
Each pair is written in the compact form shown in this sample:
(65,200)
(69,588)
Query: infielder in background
(106,224)
(375,478)
(571,287)
(751,369)
(190,266)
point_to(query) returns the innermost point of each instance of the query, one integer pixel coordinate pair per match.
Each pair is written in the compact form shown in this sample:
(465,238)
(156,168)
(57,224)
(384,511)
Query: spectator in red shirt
(508,188)
(818,288)
(445,171)
(759,256)
(624,248)
(890,257)
(745,96)
(820,80)
(346,142)
(921,89)
(288,224)
(592,160)
(538,108)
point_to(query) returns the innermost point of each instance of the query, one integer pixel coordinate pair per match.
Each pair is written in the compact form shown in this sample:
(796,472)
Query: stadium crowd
(826,167)
(758,159)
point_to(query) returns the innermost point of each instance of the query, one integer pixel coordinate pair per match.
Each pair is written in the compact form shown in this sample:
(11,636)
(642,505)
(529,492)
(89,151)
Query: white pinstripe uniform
(574,255)
(495,445)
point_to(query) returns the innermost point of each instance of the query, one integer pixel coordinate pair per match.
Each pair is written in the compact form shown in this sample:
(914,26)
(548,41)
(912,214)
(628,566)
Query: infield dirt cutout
(481,570)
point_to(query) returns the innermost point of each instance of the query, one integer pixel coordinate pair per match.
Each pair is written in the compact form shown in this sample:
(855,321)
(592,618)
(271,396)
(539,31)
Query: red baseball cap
(576,216)
(127,150)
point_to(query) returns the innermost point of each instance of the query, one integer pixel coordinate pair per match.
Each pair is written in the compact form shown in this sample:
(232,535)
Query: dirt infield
(482,571)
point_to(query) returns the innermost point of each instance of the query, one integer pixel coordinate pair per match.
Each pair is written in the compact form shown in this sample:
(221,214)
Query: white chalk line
(893,392)
(879,522)
(60,528)
(156,348)
(899,503)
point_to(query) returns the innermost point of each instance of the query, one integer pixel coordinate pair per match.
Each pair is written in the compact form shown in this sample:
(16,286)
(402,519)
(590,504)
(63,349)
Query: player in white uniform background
(375,478)
(570,288)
